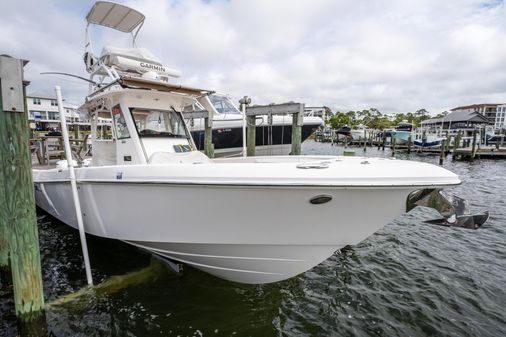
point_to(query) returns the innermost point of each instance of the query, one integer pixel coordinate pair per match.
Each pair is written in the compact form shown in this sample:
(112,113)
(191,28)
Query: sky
(393,55)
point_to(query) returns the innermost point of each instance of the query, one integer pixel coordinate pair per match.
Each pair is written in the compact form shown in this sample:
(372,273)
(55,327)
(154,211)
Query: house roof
(40,94)
(476,106)
(459,116)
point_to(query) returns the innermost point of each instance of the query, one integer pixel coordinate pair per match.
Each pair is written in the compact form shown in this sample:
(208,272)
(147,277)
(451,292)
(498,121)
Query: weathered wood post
(76,131)
(409,144)
(5,272)
(456,141)
(251,135)
(442,152)
(473,148)
(365,140)
(297,121)
(208,136)
(393,145)
(384,141)
(19,211)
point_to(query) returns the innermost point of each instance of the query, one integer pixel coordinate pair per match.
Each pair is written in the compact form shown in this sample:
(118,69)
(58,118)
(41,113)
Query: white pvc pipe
(73,185)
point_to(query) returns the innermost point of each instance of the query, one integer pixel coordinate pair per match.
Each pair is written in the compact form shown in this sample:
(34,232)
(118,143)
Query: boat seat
(192,157)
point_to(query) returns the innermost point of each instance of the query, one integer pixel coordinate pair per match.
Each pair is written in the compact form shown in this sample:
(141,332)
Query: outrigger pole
(73,184)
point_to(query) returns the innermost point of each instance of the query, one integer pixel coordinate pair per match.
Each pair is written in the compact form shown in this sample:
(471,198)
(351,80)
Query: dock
(489,152)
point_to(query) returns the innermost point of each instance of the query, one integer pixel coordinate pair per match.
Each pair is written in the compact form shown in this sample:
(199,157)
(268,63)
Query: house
(43,113)
(457,120)
(489,110)
(500,117)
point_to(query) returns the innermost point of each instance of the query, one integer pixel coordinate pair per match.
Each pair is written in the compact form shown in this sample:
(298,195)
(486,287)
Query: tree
(339,120)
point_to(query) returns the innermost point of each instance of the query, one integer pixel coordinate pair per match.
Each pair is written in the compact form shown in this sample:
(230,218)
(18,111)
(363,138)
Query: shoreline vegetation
(374,119)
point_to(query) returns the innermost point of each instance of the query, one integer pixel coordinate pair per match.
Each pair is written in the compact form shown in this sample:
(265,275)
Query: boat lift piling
(473,148)
(295,109)
(456,141)
(208,129)
(245,101)
(251,135)
(18,223)
(73,184)
(442,151)
(208,137)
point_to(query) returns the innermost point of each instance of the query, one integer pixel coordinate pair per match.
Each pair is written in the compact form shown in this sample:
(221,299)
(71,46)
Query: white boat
(250,220)
(428,141)
(360,133)
(227,130)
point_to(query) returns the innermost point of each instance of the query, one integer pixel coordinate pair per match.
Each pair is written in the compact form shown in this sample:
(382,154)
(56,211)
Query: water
(409,279)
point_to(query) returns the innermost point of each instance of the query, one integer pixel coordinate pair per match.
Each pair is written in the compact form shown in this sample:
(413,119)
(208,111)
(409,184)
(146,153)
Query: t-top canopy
(116,16)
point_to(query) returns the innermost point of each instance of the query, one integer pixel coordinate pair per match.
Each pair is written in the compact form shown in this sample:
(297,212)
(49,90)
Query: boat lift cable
(73,184)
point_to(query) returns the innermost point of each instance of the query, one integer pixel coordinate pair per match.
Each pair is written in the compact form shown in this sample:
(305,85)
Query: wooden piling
(19,210)
(297,120)
(393,145)
(473,149)
(384,141)
(365,140)
(76,131)
(4,248)
(409,144)
(251,135)
(208,137)
(442,152)
(456,141)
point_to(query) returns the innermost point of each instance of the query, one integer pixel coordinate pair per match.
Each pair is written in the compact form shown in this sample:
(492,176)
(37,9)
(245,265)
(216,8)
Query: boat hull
(245,234)
(428,144)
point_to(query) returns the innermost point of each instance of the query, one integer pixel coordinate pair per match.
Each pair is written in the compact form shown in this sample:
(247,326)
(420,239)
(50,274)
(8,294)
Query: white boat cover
(109,54)
(116,16)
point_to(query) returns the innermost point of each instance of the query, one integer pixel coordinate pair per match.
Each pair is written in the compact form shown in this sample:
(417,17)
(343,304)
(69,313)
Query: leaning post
(19,216)
(297,121)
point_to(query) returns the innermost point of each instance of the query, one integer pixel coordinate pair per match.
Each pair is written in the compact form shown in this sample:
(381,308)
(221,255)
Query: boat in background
(429,141)
(227,130)
(360,133)
(401,131)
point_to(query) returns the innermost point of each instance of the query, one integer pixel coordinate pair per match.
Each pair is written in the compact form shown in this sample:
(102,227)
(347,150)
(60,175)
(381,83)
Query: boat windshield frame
(227,108)
(160,134)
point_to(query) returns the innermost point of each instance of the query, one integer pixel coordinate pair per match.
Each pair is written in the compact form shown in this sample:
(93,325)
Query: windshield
(158,123)
(223,105)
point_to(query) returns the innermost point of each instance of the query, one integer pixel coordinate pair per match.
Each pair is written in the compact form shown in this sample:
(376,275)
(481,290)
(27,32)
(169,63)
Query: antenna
(71,75)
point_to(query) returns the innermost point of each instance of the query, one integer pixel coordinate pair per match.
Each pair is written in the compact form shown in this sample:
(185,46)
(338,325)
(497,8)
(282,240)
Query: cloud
(394,55)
